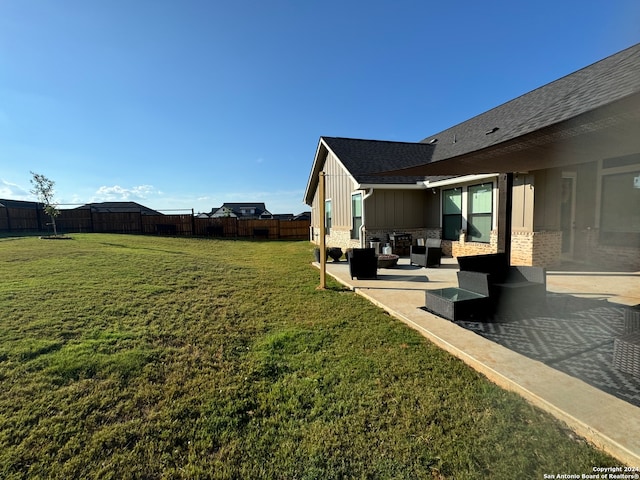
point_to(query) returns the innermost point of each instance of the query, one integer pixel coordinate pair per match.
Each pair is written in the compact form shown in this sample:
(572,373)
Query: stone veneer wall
(337,238)
(342,237)
(383,234)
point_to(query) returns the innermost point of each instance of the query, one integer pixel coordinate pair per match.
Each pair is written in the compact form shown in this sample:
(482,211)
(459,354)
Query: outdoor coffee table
(456,303)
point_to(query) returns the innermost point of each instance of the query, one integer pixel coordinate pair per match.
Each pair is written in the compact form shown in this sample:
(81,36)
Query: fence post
(39,217)
(8,219)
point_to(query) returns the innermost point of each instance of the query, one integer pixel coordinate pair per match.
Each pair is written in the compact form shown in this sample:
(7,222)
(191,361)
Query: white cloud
(12,191)
(116,193)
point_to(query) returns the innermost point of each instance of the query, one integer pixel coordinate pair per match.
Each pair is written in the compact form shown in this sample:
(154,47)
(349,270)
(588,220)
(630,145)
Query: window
(620,215)
(356,214)
(480,212)
(327,216)
(451,213)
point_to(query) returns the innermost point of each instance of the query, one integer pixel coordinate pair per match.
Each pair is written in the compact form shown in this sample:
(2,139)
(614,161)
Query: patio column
(505,211)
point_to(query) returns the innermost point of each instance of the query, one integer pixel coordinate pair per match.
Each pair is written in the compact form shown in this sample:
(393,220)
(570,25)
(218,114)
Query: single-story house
(21,204)
(563,159)
(118,207)
(241,210)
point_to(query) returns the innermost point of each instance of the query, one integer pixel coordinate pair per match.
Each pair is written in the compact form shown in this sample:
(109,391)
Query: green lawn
(142,357)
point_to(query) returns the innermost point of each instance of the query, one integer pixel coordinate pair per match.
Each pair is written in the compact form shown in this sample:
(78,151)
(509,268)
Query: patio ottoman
(626,353)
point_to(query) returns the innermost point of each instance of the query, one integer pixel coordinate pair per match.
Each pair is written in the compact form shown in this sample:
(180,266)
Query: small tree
(43,189)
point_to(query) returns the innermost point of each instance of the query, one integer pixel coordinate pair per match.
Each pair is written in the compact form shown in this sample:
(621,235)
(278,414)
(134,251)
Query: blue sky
(189,104)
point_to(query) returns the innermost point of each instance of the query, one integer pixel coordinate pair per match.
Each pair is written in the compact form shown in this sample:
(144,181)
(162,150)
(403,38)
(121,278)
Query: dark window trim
(471,216)
(446,216)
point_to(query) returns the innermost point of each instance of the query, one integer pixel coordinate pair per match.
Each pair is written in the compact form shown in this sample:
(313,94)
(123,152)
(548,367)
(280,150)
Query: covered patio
(560,359)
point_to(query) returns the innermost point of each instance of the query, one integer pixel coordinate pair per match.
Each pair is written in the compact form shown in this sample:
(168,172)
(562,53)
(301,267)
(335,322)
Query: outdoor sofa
(363,263)
(429,255)
(510,288)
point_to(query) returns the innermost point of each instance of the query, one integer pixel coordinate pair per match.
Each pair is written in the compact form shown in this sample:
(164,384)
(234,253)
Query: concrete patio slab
(610,423)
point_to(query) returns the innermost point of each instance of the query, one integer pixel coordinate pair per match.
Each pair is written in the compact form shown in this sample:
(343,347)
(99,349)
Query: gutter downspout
(362,227)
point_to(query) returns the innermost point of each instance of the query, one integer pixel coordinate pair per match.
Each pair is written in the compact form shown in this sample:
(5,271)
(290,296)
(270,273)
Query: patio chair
(429,255)
(510,287)
(363,263)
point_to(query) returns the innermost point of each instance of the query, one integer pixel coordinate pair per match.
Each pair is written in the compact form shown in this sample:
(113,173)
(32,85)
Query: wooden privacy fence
(17,220)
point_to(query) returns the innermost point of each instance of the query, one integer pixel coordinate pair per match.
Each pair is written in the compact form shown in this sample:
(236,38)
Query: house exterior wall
(548,188)
(590,245)
(523,201)
(397,209)
(339,186)
(384,211)
(536,237)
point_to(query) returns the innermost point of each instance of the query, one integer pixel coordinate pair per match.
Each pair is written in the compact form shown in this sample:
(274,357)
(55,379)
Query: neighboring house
(22,204)
(305,216)
(302,216)
(20,215)
(241,210)
(564,159)
(118,207)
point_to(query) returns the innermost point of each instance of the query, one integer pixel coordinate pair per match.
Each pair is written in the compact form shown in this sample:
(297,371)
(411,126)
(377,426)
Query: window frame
(327,216)
(615,237)
(355,224)
(448,216)
(470,215)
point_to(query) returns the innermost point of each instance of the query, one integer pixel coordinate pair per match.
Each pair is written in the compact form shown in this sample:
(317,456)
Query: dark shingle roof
(119,207)
(20,204)
(601,101)
(601,98)
(599,84)
(365,158)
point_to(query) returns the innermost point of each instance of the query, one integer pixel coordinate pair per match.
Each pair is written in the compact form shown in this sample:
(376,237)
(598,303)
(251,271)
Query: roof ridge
(371,140)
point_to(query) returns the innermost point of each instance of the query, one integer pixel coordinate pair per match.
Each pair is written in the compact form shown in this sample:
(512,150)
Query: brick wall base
(542,249)
(463,248)
(527,248)
(342,237)
(383,234)
(613,257)
(610,257)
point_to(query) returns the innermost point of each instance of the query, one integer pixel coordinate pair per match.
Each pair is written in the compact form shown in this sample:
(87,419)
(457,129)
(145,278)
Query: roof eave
(391,186)
(312,182)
